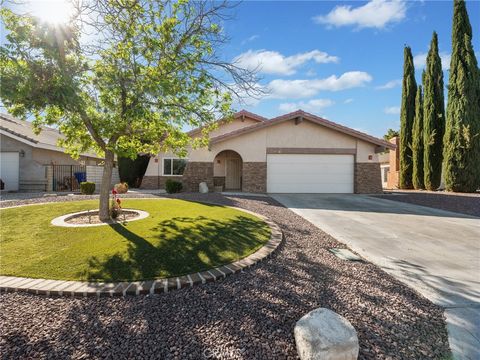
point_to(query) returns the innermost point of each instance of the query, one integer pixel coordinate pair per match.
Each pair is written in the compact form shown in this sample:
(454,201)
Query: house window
(174,166)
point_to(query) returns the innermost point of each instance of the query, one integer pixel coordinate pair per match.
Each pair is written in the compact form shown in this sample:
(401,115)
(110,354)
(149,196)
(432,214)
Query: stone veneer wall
(368,178)
(254,176)
(195,173)
(157,182)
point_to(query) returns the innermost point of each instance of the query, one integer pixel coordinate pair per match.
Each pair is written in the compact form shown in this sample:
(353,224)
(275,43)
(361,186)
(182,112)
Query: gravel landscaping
(468,204)
(249,315)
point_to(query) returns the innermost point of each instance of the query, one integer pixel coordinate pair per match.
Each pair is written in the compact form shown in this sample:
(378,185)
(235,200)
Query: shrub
(173,186)
(87,188)
(132,171)
(121,188)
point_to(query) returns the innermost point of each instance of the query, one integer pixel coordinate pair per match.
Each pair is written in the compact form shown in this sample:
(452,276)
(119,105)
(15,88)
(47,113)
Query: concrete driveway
(434,251)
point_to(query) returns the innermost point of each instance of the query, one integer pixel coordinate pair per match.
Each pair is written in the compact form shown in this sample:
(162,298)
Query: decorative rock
(323,334)
(203,188)
(49,195)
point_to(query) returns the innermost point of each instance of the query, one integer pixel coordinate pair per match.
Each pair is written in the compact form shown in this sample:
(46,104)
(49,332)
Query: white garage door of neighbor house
(9,168)
(312,173)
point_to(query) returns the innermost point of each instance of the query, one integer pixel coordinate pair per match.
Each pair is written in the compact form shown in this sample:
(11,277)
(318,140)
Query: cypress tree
(433,118)
(407,113)
(417,142)
(462,134)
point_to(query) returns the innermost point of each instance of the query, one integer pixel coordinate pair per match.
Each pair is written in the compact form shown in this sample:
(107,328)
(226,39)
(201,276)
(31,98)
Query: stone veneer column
(195,173)
(368,178)
(254,177)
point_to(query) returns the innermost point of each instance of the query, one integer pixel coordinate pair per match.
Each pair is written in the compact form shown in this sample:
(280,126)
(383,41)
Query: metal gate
(68,177)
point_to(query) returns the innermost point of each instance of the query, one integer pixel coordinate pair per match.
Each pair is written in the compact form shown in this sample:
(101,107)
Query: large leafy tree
(407,114)
(433,117)
(462,134)
(122,77)
(417,142)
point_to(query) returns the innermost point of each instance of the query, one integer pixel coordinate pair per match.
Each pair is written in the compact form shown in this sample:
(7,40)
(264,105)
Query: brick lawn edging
(82,288)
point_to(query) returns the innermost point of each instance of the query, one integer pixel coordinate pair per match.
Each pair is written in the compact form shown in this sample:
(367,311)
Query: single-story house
(293,153)
(30,162)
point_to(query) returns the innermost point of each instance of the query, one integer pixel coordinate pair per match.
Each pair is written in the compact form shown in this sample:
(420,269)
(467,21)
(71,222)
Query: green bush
(173,186)
(87,188)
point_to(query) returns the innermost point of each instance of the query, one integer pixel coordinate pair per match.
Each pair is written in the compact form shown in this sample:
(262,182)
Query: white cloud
(392,110)
(348,101)
(374,14)
(420,60)
(311,105)
(390,85)
(272,62)
(281,89)
(250,39)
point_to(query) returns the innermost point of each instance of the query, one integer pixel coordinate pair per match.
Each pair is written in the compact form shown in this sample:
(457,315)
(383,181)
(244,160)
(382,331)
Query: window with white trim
(174,167)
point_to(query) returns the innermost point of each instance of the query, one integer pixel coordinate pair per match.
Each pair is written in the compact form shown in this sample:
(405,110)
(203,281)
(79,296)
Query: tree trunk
(104,211)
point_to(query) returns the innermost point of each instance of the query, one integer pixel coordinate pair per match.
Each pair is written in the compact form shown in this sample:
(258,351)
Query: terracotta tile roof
(310,117)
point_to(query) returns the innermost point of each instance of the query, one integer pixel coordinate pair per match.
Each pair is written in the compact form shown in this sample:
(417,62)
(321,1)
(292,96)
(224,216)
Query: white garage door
(9,167)
(299,173)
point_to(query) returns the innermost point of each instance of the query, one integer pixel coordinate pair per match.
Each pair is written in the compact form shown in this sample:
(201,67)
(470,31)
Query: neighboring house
(29,161)
(384,160)
(393,165)
(293,153)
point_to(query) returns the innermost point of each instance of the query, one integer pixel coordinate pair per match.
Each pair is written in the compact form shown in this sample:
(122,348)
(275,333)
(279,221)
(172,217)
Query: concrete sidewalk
(434,251)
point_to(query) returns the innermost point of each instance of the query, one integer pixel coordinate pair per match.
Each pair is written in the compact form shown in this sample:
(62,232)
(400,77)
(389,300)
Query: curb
(92,289)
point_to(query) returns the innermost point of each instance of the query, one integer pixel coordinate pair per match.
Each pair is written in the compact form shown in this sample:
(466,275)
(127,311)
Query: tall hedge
(132,171)
(433,117)
(462,135)
(417,142)
(407,114)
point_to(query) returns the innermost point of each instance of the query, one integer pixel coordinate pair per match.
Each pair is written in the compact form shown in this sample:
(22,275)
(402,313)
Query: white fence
(95,173)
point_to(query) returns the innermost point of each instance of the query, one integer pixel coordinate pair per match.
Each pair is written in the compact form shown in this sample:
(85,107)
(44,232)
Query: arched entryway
(227,170)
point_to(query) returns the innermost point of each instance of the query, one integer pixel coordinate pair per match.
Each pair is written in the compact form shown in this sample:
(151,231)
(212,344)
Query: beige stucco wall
(307,135)
(252,146)
(48,157)
(364,150)
(32,165)
(232,125)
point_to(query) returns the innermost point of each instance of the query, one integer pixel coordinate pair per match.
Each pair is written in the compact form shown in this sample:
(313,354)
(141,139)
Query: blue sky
(340,60)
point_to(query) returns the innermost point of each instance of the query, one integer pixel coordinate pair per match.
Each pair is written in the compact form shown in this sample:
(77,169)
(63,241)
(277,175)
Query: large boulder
(203,188)
(323,334)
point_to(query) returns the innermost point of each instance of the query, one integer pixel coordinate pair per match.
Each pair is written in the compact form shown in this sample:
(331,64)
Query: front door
(233,174)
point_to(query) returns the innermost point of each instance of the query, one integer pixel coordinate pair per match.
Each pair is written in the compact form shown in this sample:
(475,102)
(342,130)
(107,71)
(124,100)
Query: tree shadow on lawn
(181,245)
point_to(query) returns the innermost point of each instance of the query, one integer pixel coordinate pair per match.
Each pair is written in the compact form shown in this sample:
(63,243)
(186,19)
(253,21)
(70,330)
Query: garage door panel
(319,173)
(9,170)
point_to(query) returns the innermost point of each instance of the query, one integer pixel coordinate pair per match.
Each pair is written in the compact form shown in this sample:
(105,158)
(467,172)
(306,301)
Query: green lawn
(178,237)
